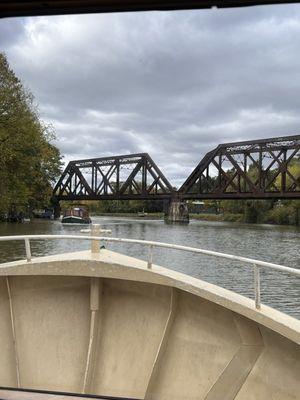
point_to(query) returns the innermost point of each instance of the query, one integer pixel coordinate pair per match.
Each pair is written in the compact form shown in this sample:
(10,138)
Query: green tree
(29,162)
(292,176)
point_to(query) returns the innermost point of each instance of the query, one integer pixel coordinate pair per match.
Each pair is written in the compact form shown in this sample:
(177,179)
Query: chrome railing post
(257,286)
(150,257)
(27,248)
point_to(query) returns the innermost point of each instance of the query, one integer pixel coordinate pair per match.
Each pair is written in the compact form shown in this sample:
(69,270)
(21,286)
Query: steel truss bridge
(259,169)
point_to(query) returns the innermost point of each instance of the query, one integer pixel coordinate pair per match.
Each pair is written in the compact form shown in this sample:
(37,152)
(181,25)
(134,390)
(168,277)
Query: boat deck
(102,323)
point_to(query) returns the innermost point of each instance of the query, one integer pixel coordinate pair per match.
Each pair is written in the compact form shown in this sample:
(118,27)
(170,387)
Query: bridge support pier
(177,212)
(56,209)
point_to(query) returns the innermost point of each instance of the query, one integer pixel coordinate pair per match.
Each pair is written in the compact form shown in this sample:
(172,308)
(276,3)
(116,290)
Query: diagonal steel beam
(162,177)
(106,177)
(128,181)
(241,172)
(228,178)
(82,179)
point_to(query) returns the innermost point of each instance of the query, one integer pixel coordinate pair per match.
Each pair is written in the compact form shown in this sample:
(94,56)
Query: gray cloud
(172,84)
(10,31)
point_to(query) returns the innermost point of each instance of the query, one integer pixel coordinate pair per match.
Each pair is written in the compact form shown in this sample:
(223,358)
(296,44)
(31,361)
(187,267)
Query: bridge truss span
(259,169)
(125,177)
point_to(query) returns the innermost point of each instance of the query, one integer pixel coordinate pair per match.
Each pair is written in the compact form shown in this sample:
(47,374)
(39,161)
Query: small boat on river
(76,215)
(142,214)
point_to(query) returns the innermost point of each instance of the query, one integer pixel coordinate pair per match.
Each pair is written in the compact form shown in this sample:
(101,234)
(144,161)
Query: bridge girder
(257,169)
(125,177)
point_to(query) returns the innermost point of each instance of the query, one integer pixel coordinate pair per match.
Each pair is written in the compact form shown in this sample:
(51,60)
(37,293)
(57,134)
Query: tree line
(29,161)
(283,212)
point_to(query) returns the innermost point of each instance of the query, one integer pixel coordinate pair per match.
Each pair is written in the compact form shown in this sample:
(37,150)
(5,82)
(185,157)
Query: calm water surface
(276,244)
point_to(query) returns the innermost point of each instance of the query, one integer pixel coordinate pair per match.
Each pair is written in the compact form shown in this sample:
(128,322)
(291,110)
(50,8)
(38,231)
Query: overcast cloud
(173,84)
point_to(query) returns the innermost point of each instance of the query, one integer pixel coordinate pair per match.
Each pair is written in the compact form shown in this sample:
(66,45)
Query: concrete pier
(57,209)
(177,212)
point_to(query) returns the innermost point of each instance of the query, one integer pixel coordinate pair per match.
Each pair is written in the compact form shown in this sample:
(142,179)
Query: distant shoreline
(160,216)
(235,218)
(149,216)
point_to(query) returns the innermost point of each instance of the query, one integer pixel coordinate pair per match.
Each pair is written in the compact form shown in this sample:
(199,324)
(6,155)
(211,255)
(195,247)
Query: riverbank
(160,216)
(148,216)
(207,217)
(227,217)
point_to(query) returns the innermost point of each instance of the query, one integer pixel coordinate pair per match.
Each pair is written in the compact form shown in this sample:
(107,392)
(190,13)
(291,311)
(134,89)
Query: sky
(173,84)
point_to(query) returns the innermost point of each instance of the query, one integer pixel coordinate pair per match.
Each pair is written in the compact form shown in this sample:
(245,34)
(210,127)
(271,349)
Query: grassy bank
(207,217)
(130,215)
(149,216)
(226,217)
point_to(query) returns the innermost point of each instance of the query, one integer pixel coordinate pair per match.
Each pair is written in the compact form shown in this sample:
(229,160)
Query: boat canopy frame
(18,8)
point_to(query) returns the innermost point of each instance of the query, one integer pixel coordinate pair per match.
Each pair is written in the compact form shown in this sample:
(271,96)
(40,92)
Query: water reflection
(264,242)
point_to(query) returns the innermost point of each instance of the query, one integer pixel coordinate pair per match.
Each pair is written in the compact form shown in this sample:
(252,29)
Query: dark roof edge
(19,8)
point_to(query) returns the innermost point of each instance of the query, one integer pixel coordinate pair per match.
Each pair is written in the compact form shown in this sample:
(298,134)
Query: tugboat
(76,215)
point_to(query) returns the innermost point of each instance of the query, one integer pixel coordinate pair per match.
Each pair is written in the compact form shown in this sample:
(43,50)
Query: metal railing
(256,264)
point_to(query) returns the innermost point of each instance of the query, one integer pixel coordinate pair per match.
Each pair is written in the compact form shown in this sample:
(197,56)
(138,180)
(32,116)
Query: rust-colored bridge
(259,169)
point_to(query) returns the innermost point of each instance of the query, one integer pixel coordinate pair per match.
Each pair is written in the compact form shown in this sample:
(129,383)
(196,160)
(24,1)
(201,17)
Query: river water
(278,244)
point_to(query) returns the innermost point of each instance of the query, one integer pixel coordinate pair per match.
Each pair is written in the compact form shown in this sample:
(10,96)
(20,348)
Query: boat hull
(106,325)
(75,220)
